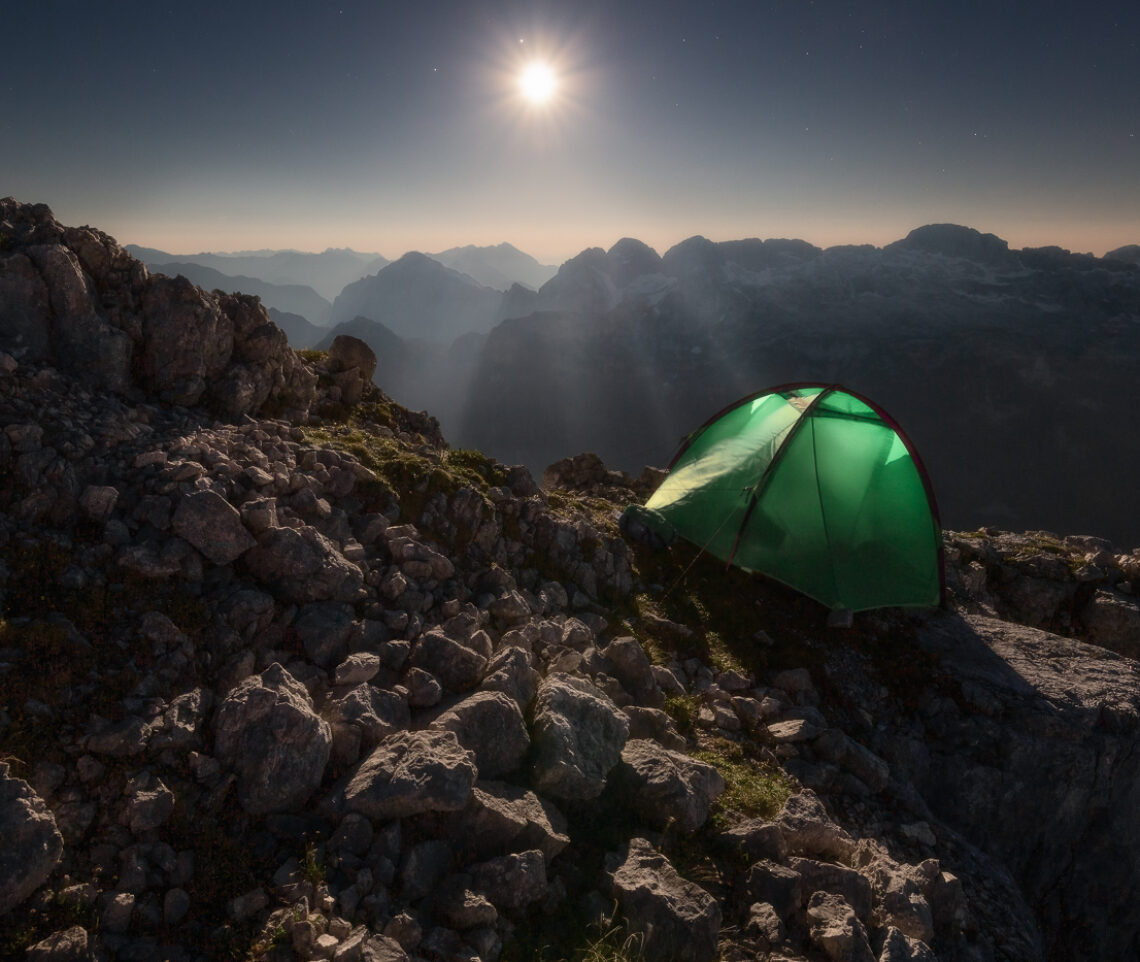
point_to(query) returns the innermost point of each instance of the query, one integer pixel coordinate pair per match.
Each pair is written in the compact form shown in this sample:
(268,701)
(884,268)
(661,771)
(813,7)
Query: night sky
(238,125)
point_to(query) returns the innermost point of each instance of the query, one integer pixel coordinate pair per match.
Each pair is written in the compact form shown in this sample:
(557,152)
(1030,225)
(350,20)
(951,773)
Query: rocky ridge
(302,682)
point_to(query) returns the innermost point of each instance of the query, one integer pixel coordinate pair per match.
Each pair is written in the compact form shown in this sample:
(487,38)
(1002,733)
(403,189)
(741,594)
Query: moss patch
(753,788)
(410,477)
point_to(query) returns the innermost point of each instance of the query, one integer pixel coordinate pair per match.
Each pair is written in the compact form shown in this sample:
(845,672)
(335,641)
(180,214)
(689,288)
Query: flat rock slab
(213,526)
(792,731)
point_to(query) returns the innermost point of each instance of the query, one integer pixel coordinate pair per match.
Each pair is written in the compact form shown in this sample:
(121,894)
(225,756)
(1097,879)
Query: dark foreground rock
(32,843)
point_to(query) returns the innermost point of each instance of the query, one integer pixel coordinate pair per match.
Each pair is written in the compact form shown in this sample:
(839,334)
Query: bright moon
(537,82)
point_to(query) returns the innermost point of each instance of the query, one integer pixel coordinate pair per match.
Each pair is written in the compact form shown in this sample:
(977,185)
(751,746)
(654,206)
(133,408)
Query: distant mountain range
(308,284)
(326,273)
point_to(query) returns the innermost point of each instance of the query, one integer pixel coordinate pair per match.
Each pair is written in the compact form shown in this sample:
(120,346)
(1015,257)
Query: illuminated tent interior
(816,487)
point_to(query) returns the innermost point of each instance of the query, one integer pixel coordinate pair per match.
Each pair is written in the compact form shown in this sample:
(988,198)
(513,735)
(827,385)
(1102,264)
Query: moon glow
(537,82)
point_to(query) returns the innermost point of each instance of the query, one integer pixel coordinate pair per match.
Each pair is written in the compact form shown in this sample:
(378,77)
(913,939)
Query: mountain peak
(953,240)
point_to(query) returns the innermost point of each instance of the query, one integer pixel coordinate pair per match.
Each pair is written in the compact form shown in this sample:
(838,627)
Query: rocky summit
(283,676)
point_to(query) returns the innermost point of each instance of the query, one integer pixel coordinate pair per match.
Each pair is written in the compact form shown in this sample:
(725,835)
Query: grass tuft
(754,788)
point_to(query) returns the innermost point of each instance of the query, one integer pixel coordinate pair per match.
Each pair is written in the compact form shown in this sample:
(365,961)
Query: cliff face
(313,685)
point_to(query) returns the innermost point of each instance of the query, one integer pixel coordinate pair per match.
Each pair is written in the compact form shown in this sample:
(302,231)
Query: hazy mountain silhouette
(1130,253)
(299,332)
(419,297)
(326,273)
(497,267)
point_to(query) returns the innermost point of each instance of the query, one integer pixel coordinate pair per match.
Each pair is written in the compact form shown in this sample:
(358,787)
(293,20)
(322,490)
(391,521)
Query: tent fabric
(816,487)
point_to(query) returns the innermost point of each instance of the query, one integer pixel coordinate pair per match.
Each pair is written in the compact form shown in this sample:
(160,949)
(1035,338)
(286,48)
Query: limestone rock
(654,724)
(849,884)
(357,668)
(835,929)
(213,526)
(1055,764)
(511,671)
(413,772)
(899,947)
(774,884)
(323,628)
(490,725)
(32,845)
(461,907)
(424,867)
(376,712)
(98,501)
(502,818)
(755,839)
(678,921)
(267,731)
(809,830)
(67,945)
(353,354)
(630,665)
(578,735)
(1113,623)
(668,788)
(457,666)
(302,565)
(511,882)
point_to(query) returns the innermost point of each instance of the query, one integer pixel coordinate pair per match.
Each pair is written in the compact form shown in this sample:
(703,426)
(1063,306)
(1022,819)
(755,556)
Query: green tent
(813,486)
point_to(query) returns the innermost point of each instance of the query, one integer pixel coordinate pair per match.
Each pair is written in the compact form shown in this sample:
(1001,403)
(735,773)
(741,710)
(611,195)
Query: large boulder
(628,662)
(32,844)
(376,712)
(410,773)
(458,666)
(677,920)
(351,352)
(492,726)
(267,731)
(323,628)
(833,927)
(578,736)
(808,829)
(668,788)
(186,340)
(511,671)
(1113,622)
